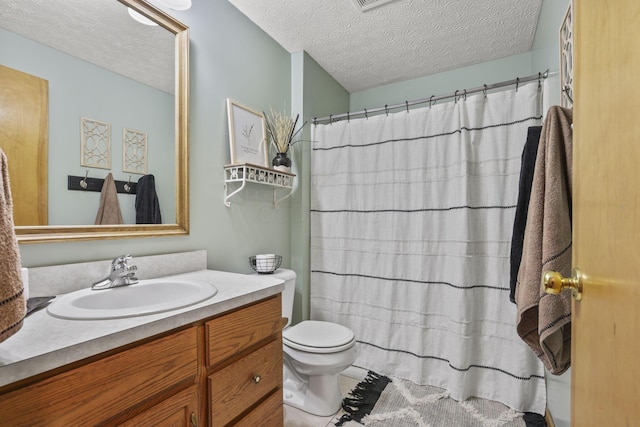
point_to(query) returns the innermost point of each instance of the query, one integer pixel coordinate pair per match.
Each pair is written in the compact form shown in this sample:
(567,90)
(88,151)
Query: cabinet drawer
(234,332)
(102,389)
(233,389)
(269,413)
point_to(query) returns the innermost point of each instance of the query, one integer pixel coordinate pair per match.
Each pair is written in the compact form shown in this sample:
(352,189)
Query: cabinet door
(180,410)
(103,389)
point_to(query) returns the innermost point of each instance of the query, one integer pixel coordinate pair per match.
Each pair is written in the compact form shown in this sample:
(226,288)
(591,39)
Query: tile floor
(294,417)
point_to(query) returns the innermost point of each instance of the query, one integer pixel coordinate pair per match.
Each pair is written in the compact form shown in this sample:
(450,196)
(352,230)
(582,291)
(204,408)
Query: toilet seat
(318,337)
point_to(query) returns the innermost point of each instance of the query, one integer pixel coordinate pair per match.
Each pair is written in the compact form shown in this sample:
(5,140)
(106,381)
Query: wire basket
(265,264)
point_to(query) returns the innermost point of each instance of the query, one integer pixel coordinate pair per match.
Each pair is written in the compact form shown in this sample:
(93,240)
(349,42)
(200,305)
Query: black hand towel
(524,194)
(147,206)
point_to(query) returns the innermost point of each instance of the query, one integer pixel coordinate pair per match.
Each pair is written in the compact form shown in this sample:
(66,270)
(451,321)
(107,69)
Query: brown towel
(13,306)
(544,321)
(109,209)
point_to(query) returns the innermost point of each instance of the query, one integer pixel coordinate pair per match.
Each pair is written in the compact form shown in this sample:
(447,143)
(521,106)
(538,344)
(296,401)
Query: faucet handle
(122,259)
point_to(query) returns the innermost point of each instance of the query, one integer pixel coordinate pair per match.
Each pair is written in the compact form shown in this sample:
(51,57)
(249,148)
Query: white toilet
(315,353)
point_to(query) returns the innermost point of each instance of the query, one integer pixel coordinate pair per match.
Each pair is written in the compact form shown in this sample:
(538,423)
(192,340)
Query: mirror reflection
(100,93)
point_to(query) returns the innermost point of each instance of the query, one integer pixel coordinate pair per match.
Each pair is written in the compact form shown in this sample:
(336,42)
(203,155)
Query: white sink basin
(145,297)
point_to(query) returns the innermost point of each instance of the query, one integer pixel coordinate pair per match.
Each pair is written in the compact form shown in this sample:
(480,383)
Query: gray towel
(543,320)
(109,209)
(13,306)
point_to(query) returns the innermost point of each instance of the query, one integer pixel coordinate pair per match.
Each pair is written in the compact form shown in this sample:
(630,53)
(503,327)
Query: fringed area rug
(379,401)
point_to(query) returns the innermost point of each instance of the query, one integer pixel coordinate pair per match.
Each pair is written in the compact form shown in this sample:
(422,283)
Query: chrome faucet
(122,274)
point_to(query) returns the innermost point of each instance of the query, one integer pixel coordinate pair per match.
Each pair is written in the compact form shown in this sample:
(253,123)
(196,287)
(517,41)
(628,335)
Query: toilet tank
(289,277)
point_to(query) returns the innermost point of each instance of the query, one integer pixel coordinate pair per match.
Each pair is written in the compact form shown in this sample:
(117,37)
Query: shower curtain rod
(433,98)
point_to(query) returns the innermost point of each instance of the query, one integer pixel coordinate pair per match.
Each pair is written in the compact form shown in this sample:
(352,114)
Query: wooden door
(24,135)
(606,213)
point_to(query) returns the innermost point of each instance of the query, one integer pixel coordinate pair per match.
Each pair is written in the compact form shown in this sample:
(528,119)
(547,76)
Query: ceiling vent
(364,5)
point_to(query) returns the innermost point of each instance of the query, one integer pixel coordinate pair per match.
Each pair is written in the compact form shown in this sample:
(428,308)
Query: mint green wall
(314,94)
(230,57)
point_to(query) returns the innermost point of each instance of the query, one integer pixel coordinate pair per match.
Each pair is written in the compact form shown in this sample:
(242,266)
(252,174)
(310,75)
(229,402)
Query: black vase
(281,161)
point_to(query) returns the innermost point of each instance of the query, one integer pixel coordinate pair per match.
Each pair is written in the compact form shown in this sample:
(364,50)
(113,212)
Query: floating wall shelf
(246,172)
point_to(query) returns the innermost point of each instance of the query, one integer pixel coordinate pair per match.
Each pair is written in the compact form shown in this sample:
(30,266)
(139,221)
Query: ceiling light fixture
(174,4)
(165,4)
(141,18)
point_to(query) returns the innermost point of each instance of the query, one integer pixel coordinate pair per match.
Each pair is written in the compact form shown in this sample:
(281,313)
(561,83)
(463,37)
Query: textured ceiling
(396,41)
(97,31)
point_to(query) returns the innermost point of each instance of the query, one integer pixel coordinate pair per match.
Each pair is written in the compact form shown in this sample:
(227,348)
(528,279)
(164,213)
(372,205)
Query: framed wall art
(247,135)
(134,151)
(95,144)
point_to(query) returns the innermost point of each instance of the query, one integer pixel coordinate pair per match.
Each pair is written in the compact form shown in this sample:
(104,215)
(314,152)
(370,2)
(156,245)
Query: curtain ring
(539,79)
(348,117)
(330,118)
(517,83)
(455,96)
(315,121)
(406,103)
(430,98)
(485,90)
(386,110)
(465,95)
(366,114)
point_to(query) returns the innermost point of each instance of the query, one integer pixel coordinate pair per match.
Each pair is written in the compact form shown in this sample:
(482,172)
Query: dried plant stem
(281,130)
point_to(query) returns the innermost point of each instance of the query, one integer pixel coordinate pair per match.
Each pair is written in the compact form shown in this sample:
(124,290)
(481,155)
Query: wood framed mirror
(178,223)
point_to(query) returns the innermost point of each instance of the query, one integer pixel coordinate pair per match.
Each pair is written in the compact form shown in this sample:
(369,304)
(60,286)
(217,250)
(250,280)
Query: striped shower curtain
(411,223)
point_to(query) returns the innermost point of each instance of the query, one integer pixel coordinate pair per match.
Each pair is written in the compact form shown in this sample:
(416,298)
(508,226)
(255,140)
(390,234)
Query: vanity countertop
(46,342)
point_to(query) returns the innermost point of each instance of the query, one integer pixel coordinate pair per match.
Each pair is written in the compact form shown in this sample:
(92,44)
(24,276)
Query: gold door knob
(554,283)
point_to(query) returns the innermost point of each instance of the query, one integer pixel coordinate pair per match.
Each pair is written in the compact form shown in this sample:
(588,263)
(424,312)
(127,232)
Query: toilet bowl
(314,354)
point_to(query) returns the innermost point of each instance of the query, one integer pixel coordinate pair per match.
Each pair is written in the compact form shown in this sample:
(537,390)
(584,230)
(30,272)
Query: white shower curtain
(411,223)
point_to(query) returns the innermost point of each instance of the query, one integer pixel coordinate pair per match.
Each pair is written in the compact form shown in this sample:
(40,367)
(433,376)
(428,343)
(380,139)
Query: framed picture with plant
(247,132)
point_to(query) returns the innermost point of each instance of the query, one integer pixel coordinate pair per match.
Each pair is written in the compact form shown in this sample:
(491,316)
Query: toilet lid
(318,337)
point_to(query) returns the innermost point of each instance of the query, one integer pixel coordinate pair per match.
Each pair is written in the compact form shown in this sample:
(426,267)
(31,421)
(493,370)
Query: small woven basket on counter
(265,264)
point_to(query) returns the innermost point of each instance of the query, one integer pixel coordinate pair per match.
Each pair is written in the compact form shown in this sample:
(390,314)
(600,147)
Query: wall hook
(83,182)
(127,186)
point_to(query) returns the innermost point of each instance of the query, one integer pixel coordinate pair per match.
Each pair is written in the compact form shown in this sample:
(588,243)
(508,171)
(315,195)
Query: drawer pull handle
(256,378)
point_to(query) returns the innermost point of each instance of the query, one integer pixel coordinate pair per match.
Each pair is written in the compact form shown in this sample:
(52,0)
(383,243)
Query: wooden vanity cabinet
(204,374)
